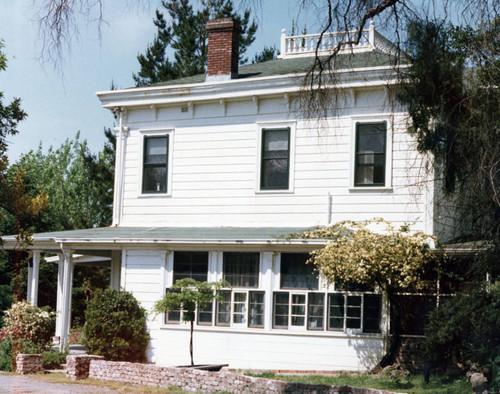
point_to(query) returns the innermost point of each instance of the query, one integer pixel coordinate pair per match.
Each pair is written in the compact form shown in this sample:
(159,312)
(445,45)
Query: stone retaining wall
(77,366)
(29,363)
(205,381)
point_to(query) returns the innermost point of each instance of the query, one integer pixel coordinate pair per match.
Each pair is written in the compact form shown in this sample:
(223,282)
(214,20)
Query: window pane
(205,314)
(353,312)
(192,265)
(154,179)
(295,273)
(173,316)
(370,154)
(315,311)
(275,159)
(155,151)
(336,311)
(298,309)
(256,309)
(224,309)
(239,308)
(280,310)
(241,269)
(372,309)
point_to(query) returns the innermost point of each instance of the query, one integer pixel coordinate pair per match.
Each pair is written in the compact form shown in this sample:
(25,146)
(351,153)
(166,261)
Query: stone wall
(29,363)
(205,381)
(77,366)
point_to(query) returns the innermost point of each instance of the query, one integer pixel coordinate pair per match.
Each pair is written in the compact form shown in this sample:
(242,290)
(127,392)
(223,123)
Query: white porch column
(66,299)
(59,303)
(116,264)
(30,279)
(34,280)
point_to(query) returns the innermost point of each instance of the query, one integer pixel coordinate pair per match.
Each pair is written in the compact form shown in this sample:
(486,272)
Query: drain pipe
(121,135)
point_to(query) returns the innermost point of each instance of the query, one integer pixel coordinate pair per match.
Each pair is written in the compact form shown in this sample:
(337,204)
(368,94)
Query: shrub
(466,328)
(115,326)
(5,353)
(29,327)
(52,359)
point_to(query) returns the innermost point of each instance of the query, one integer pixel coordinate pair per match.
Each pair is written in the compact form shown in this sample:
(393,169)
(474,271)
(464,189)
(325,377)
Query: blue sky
(59,104)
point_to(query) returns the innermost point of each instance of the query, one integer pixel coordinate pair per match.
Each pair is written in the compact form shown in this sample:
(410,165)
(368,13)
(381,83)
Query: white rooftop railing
(305,45)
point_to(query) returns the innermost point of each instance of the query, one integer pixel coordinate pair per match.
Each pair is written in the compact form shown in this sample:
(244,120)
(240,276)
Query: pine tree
(187,37)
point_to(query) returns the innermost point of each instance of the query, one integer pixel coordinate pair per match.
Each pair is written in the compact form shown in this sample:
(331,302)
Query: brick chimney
(222,52)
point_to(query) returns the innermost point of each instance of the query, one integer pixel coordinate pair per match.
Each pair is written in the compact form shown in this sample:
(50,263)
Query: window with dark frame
(295,273)
(192,265)
(241,269)
(275,159)
(370,156)
(155,164)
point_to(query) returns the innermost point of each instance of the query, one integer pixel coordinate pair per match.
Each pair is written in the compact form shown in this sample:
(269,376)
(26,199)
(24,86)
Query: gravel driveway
(23,384)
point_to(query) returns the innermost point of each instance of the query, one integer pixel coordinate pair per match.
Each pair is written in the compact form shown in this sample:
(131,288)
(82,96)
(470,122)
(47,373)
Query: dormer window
(155,166)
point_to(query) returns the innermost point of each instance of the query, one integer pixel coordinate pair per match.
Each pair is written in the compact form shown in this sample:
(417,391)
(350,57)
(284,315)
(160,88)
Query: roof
(296,65)
(166,235)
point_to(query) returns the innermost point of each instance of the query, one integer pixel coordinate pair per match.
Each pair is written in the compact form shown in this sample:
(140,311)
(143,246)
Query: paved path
(24,384)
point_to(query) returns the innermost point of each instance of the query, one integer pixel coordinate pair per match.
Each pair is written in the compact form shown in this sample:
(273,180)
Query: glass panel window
(370,154)
(224,309)
(173,316)
(298,309)
(256,309)
(353,312)
(315,311)
(295,273)
(372,310)
(241,269)
(275,165)
(154,176)
(192,265)
(280,310)
(205,313)
(336,312)
(239,308)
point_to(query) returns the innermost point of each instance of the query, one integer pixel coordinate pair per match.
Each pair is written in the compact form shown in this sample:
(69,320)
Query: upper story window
(370,154)
(155,165)
(275,159)
(192,265)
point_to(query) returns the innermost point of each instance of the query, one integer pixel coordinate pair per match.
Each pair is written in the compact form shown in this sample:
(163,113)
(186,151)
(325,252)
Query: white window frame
(291,164)
(389,121)
(143,134)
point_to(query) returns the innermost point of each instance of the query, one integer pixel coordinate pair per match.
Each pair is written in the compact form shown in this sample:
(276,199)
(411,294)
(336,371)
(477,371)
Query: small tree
(188,295)
(390,259)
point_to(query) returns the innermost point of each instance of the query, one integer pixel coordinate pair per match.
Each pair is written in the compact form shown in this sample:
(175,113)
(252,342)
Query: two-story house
(213,172)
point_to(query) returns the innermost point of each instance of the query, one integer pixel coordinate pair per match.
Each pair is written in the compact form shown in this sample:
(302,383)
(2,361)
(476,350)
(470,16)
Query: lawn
(413,384)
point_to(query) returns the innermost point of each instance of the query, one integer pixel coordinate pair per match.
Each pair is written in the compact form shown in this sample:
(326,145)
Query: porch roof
(166,235)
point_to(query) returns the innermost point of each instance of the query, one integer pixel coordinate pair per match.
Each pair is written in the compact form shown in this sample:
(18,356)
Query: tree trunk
(191,342)
(390,356)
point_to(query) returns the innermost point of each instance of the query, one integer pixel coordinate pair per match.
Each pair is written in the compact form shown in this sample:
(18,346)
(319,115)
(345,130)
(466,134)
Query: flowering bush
(28,326)
(75,336)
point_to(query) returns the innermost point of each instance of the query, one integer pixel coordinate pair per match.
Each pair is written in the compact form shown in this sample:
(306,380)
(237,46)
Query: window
(240,308)
(241,269)
(192,265)
(345,312)
(370,154)
(295,273)
(275,159)
(154,172)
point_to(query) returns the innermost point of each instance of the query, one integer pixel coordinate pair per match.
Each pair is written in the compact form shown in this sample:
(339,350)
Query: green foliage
(186,36)
(372,253)
(268,53)
(451,93)
(115,326)
(5,354)
(52,359)
(465,328)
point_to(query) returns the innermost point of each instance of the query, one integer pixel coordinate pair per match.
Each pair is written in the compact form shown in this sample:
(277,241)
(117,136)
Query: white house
(214,171)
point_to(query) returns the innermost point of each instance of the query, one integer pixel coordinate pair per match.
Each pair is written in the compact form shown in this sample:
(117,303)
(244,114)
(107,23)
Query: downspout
(121,134)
